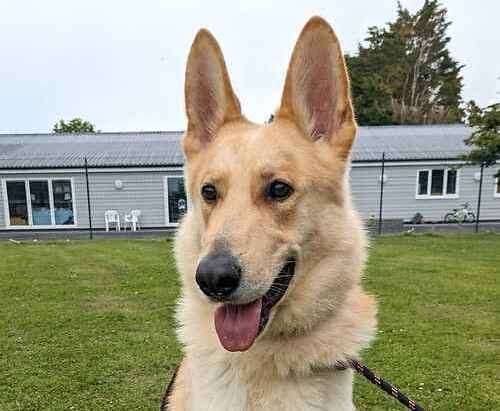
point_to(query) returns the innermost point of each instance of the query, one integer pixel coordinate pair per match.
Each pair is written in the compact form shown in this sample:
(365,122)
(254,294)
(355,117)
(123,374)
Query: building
(44,177)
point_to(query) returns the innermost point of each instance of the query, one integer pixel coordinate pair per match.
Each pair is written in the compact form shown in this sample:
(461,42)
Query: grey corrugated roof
(134,149)
(428,142)
(147,149)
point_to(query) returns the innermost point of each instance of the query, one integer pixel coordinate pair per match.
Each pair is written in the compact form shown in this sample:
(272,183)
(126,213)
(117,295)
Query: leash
(386,386)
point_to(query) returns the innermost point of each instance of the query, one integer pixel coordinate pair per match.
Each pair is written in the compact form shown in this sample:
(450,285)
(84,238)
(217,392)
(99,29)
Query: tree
(77,125)
(372,97)
(405,74)
(485,139)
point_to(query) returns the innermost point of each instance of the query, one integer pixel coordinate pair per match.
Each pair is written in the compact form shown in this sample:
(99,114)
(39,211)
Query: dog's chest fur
(225,388)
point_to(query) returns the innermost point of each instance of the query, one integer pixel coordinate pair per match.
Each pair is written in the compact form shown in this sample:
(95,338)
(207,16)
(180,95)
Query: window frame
(496,187)
(30,225)
(444,196)
(169,223)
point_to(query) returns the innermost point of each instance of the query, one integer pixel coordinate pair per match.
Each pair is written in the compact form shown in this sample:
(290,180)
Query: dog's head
(269,203)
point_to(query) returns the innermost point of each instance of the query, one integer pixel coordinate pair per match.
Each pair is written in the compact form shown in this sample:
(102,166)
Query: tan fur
(324,316)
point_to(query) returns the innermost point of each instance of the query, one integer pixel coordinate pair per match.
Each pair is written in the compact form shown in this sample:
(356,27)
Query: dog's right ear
(210,100)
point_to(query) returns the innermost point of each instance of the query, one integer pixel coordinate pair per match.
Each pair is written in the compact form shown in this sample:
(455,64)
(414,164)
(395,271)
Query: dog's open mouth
(238,325)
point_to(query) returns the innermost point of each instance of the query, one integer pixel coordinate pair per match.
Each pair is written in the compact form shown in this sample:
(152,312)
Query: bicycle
(464,214)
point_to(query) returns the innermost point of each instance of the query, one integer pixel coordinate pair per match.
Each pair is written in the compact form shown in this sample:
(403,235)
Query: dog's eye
(278,191)
(209,193)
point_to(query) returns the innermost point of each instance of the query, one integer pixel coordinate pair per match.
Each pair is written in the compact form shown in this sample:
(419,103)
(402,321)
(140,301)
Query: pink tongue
(238,325)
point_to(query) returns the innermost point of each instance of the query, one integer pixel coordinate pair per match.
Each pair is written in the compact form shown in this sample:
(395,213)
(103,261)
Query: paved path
(21,235)
(452,228)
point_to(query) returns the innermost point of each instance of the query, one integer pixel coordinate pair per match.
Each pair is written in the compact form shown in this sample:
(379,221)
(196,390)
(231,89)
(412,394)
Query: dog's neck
(334,339)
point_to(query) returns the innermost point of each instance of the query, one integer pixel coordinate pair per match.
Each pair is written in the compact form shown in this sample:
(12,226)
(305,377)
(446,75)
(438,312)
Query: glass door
(63,202)
(18,206)
(40,203)
(177,201)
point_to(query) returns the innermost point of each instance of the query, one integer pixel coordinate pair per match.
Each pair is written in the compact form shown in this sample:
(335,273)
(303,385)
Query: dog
(271,251)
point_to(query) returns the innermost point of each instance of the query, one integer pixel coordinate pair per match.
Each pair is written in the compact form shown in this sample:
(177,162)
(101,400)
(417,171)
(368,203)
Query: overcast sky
(120,64)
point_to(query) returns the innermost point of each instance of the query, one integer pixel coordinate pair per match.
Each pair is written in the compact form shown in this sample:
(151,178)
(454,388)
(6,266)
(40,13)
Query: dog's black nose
(218,275)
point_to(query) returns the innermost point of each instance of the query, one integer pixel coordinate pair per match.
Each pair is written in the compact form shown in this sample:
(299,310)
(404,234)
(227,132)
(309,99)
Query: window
(437,183)
(451,182)
(39,203)
(175,199)
(423,179)
(17,205)
(497,187)
(63,202)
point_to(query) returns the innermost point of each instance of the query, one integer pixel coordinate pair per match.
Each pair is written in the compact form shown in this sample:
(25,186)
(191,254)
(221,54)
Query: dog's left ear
(316,95)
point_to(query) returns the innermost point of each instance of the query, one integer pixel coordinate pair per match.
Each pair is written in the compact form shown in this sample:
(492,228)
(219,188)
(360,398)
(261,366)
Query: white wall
(400,192)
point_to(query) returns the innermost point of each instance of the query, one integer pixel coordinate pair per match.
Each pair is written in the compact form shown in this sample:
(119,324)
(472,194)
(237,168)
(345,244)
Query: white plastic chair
(132,220)
(112,217)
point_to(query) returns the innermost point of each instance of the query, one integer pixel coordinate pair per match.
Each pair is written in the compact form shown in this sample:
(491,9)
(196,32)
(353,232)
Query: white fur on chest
(223,389)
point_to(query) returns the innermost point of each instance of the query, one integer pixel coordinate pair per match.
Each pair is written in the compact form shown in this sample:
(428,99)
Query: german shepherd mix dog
(271,250)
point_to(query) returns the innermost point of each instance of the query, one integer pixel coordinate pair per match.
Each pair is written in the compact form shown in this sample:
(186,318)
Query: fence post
(381,201)
(91,233)
(478,214)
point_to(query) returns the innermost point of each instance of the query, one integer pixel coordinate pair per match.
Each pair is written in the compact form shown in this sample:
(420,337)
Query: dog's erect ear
(210,100)
(316,95)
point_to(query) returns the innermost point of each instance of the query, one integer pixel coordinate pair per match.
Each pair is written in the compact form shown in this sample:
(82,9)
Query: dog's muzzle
(238,325)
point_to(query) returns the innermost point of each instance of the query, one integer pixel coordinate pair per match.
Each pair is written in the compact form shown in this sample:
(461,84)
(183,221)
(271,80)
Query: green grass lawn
(89,326)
